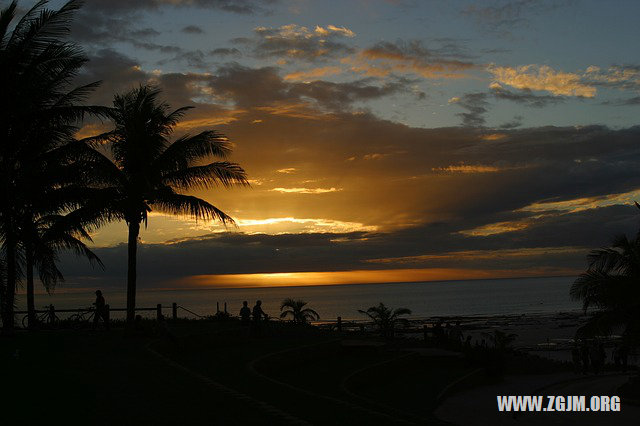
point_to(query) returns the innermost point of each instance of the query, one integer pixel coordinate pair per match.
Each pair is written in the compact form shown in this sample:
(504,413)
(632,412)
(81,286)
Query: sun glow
(291,279)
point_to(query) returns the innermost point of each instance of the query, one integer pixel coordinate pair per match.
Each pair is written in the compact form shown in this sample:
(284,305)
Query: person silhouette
(584,357)
(258,313)
(576,358)
(455,335)
(101,311)
(438,332)
(245,313)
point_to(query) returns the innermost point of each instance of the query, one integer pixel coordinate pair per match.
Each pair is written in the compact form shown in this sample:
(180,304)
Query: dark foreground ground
(208,372)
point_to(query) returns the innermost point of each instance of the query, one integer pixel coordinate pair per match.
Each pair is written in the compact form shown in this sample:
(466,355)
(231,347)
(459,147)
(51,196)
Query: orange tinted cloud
(544,78)
(313,73)
(480,254)
(466,168)
(380,64)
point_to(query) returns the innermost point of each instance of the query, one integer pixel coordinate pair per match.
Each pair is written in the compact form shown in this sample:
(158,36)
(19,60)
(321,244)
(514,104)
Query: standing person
(456,334)
(258,313)
(624,354)
(101,311)
(245,313)
(596,353)
(438,333)
(584,356)
(575,357)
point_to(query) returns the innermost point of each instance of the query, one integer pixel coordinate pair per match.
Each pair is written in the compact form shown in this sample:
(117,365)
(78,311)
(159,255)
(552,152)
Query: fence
(158,309)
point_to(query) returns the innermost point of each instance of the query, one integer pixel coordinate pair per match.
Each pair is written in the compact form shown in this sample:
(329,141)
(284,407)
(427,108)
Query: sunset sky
(419,139)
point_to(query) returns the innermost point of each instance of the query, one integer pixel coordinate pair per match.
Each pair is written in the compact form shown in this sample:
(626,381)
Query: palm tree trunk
(8,296)
(134,231)
(31,308)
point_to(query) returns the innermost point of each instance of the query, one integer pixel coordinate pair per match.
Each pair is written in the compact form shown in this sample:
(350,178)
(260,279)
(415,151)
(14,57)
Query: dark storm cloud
(116,71)
(192,29)
(97,29)
(620,77)
(632,101)
(555,242)
(476,106)
(447,58)
(233,6)
(447,51)
(101,25)
(622,102)
(191,58)
(299,43)
(524,97)
(515,122)
(432,183)
(502,17)
(223,51)
(250,87)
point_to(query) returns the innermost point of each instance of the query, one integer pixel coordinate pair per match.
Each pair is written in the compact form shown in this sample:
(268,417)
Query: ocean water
(425,299)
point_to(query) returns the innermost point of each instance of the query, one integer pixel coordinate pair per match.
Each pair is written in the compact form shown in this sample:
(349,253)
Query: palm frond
(6,16)
(203,177)
(187,205)
(187,150)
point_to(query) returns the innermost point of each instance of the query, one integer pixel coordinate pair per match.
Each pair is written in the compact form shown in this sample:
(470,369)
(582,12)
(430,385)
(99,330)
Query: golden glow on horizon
(290,279)
(306,190)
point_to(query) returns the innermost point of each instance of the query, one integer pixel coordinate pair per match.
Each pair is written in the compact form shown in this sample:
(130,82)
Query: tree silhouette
(500,340)
(36,67)
(297,311)
(42,240)
(135,169)
(611,284)
(385,318)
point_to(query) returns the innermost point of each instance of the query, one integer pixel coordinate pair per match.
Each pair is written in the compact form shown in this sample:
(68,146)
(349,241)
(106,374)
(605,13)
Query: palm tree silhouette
(142,170)
(610,284)
(500,339)
(36,66)
(42,240)
(297,311)
(385,318)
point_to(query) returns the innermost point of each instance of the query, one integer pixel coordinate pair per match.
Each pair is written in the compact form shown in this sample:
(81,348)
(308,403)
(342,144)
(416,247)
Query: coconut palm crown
(297,311)
(611,284)
(136,168)
(385,318)
(37,66)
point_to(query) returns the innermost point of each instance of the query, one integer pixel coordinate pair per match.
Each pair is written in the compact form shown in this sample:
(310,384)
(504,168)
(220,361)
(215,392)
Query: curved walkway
(270,410)
(384,418)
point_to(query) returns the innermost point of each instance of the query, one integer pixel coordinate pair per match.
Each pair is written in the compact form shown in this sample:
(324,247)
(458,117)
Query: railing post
(107,316)
(339,324)
(217,307)
(158,311)
(52,314)
(225,307)
(174,311)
